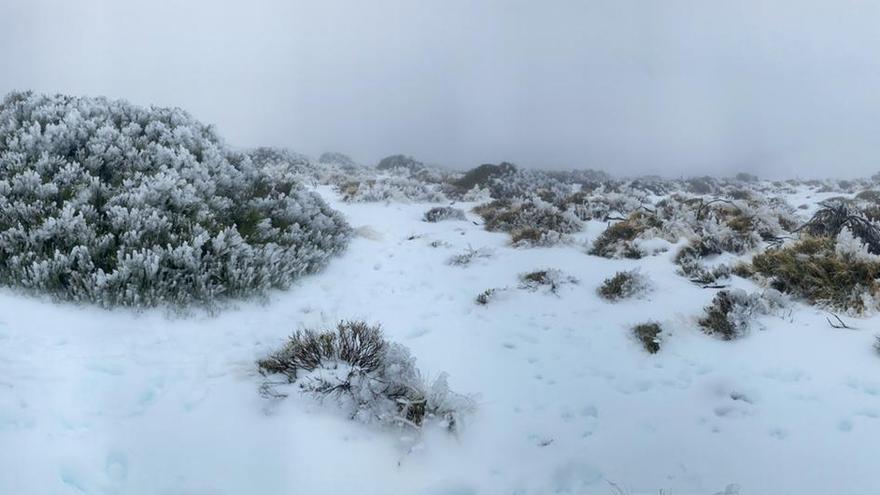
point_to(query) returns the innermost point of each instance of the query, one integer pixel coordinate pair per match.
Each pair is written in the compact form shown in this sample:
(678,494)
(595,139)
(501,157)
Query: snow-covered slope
(113,402)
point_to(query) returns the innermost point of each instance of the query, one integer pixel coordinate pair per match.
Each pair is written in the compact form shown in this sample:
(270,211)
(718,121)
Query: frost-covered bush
(399,162)
(279,158)
(616,241)
(731,312)
(624,285)
(835,216)
(701,185)
(106,202)
(331,168)
(690,264)
(484,175)
(600,205)
(725,226)
(823,272)
(509,183)
(373,380)
(551,279)
(530,221)
(746,177)
(390,188)
(336,158)
(648,334)
(440,213)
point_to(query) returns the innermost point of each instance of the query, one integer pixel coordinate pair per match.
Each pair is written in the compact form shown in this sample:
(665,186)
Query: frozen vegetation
(494,330)
(105,202)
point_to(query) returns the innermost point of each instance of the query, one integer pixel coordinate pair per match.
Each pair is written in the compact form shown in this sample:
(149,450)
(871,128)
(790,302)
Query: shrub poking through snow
(487,295)
(731,312)
(624,285)
(648,334)
(616,240)
(530,221)
(550,279)
(877,343)
(106,202)
(467,257)
(690,264)
(727,316)
(823,272)
(440,213)
(373,379)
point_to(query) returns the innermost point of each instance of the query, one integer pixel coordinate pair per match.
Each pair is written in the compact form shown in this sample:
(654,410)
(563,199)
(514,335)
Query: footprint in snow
(869,413)
(116,466)
(865,387)
(778,433)
(732,411)
(786,376)
(419,332)
(575,477)
(449,487)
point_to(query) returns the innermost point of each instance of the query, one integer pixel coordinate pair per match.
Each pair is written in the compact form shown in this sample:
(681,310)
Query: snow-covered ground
(113,402)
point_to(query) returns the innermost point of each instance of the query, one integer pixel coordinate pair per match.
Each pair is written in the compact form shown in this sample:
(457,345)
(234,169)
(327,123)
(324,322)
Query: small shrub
(373,379)
(701,185)
(530,221)
(440,213)
(528,235)
(551,279)
(467,257)
(742,269)
(869,195)
(690,264)
(616,240)
(731,312)
(648,334)
(877,343)
(624,285)
(535,237)
(814,269)
(484,297)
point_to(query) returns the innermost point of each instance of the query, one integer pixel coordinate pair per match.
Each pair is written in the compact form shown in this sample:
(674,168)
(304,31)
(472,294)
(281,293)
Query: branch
(839,323)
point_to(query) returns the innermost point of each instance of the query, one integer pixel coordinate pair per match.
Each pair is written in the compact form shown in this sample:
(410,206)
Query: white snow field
(117,402)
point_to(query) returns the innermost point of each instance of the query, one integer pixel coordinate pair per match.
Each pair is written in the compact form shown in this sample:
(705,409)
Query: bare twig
(838,323)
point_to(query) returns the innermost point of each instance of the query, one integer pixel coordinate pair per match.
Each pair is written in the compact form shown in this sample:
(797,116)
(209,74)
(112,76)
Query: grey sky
(776,87)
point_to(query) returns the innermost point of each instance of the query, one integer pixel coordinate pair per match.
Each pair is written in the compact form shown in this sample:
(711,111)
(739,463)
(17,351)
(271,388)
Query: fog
(782,89)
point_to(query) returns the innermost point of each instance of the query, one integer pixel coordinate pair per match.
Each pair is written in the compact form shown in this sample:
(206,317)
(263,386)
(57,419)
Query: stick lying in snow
(840,323)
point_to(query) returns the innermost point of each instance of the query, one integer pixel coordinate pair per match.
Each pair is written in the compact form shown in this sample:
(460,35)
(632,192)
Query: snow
(116,402)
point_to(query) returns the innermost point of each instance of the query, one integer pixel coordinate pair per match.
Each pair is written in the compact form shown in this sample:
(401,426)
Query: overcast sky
(776,87)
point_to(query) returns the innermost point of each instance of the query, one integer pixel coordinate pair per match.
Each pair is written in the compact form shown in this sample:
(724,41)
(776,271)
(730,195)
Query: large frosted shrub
(106,202)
